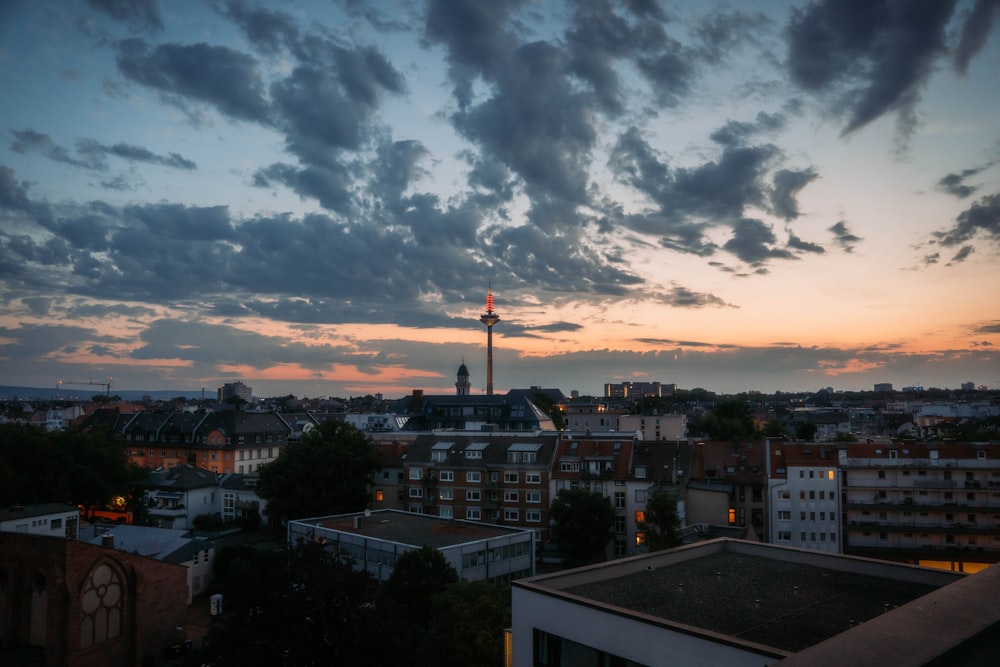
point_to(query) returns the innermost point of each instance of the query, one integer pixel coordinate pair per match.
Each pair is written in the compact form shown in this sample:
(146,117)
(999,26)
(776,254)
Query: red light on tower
(489,318)
(489,301)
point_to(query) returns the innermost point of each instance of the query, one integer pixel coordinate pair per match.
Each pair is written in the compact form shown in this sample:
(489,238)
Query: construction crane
(106,384)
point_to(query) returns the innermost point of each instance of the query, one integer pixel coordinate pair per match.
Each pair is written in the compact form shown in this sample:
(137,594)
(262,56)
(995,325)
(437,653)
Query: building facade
(804,494)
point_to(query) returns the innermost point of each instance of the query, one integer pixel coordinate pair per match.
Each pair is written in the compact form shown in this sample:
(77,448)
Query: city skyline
(315,197)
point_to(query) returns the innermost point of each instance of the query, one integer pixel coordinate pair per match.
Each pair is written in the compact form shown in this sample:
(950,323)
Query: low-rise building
(733,602)
(49,519)
(375,540)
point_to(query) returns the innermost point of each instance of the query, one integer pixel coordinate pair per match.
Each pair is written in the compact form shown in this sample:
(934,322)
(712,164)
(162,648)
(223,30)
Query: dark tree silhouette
(661,525)
(582,524)
(329,471)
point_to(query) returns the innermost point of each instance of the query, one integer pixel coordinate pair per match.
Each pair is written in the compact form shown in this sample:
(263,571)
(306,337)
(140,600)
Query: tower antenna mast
(489,318)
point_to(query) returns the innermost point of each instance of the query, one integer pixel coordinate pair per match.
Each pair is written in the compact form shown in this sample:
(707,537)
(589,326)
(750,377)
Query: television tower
(489,318)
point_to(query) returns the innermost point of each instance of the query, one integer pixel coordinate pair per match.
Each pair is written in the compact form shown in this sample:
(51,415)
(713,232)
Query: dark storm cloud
(844,238)
(975,31)
(795,243)
(787,185)
(397,167)
(83,310)
(682,297)
(181,223)
(962,254)
(955,184)
(331,184)
(91,154)
(136,13)
(739,133)
(753,242)
(691,200)
(268,30)
(215,344)
(872,57)
(982,218)
(216,75)
(13,194)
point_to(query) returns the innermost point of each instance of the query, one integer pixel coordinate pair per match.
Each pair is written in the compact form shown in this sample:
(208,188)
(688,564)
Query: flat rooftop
(787,599)
(414,529)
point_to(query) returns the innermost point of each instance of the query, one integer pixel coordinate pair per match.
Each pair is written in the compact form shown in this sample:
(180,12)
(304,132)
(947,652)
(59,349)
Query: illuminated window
(732,516)
(378,495)
(640,539)
(829,474)
(640,516)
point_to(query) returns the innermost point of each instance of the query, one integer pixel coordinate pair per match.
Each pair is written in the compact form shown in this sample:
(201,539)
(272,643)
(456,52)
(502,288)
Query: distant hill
(84,393)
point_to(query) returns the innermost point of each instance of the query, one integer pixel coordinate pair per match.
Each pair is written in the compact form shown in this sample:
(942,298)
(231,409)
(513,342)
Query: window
(640,516)
(569,466)
(445,512)
(732,516)
(510,496)
(447,494)
(101,605)
(473,496)
(981,455)
(416,473)
(473,514)
(784,536)
(640,496)
(532,478)
(784,515)
(533,496)
(619,524)
(510,477)
(473,453)
(416,492)
(619,500)
(55,524)
(532,516)
(511,515)
(473,476)
(640,472)
(881,474)
(640,539)
(447,476)
(784,495)
(378,495)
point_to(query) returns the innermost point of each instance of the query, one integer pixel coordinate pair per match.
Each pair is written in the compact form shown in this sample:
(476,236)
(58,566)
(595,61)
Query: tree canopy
(304,607)
(80,468)
(329,471)
(729,420)
(582,524)
(661,525)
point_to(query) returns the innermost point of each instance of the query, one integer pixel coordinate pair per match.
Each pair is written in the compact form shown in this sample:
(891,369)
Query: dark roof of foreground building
(414,529)
(776,603)
(783,599)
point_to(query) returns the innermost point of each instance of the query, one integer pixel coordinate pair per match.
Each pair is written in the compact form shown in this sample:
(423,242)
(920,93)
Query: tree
(661,525)
(329,471)
(729,420)
(582,524)
(80,468)
(437,620)
(806,431)
(308,607)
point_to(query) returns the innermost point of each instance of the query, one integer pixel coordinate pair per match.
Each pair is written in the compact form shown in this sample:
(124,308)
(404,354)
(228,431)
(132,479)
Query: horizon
(316,198)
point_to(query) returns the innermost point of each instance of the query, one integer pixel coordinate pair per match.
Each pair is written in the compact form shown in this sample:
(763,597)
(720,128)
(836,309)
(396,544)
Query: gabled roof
(181,478)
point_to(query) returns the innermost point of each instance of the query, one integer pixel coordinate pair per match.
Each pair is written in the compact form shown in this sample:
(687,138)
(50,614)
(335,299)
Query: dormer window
(641,472)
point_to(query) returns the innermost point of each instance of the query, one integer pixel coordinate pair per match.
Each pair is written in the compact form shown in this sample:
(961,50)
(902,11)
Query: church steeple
(462,380)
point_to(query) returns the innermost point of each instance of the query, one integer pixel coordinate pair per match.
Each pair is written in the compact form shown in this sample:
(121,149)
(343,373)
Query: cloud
(961,255)
(91,154)
(954,184)
(871,58)
(981,218)
(975,31)
(753,242)
(218,76)
(843,236)
(267,30)
(796,243)
(788,184)
(139,14)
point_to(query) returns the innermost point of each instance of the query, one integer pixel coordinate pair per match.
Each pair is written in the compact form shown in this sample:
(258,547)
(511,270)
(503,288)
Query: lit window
(378,495)
(640,516)
(732,516)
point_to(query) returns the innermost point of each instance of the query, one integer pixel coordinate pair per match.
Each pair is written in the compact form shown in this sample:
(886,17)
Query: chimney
(418,400)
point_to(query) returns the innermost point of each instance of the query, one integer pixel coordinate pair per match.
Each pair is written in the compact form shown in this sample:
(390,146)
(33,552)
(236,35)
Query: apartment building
(654,427)
(496,478)
(934,504)
(739,468)
(804,495)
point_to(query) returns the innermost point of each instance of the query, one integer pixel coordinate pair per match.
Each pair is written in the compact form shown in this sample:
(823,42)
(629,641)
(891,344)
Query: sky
(314,197)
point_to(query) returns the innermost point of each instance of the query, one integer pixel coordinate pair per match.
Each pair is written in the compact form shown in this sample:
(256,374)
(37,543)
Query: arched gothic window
(102,605)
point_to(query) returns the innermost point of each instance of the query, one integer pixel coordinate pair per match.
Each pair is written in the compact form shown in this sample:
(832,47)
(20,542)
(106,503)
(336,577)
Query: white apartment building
(805,496)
